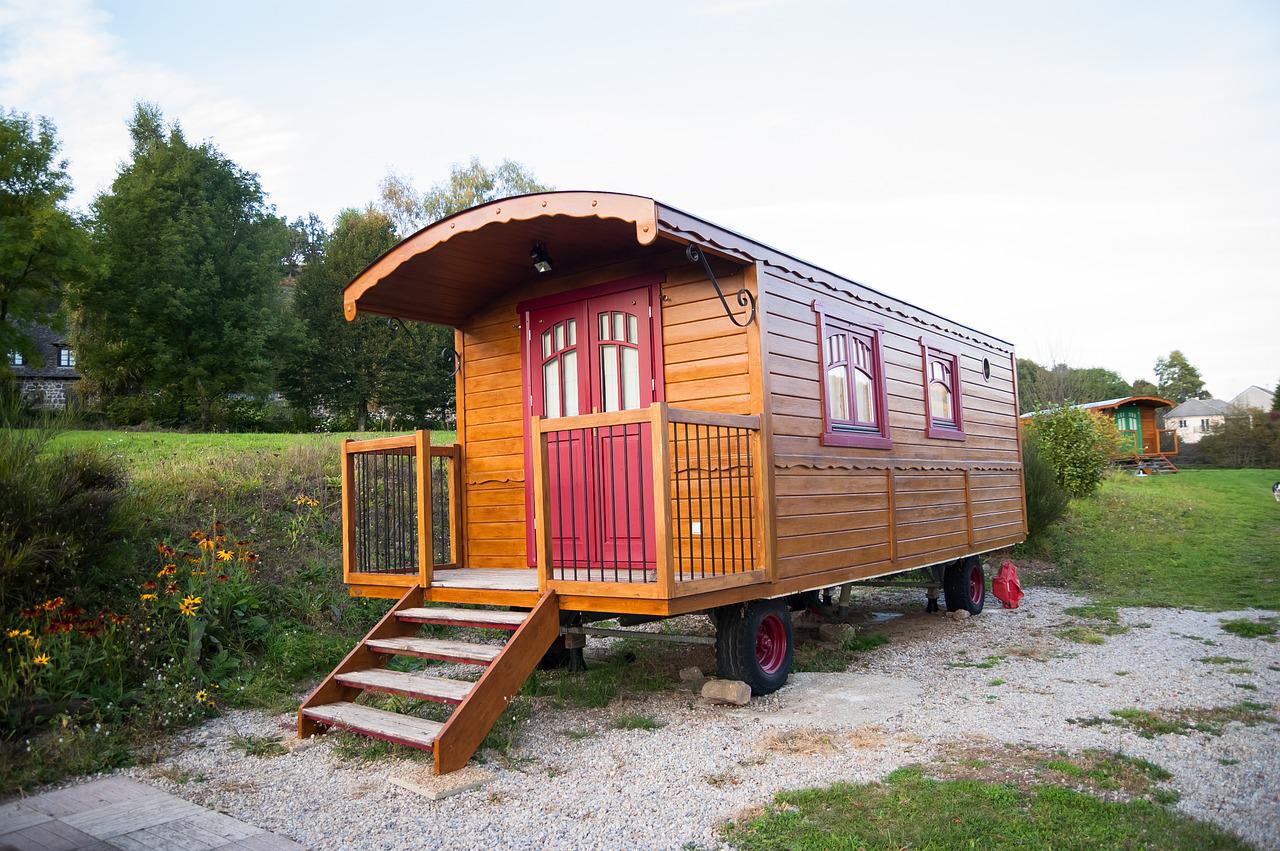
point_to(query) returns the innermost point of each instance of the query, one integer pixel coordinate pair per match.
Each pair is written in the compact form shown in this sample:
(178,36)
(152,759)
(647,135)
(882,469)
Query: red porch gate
(593,352)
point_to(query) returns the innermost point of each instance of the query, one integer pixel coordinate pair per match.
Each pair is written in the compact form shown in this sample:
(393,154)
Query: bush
(1246,439)
(64,522)
(1077,443)
(1046,499)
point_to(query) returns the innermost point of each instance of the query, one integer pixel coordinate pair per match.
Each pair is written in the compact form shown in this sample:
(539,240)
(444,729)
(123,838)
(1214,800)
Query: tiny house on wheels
(656,416)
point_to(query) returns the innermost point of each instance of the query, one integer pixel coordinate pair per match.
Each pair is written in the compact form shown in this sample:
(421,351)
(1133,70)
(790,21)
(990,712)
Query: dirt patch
(1098,772)
(869,737)
(798,741)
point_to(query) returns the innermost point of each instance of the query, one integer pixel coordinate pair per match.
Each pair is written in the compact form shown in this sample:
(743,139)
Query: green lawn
(1207,539)
(909,810)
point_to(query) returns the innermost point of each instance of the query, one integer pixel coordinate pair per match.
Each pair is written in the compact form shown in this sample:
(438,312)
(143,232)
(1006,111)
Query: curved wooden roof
(445,257)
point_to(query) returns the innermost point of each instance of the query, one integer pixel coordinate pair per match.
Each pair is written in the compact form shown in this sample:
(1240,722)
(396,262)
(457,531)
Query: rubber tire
(955,585)
(736,645)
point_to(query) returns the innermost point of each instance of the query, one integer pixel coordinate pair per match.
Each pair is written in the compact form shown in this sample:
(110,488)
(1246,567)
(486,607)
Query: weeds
(628,721)
(985,664)
(1246,628)
(813,656)
(260,746)
(1151,723)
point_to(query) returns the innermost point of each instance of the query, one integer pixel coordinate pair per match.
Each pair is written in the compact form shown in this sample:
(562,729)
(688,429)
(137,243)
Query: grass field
(1206,539)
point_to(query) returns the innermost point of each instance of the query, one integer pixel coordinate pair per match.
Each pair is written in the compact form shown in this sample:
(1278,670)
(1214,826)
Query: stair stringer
(472,720)
(360,657)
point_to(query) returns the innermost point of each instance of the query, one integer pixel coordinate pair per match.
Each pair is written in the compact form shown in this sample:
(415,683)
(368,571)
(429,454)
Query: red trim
(942,431)
(881,438)
(651,280)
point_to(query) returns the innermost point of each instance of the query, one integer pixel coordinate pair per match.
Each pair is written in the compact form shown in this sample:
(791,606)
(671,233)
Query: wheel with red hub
(965,585)
(754,643)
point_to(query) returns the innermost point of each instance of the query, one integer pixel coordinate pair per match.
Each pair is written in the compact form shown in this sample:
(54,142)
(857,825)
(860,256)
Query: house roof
(1140,401)
(1252,396)
(453,267)
(1200,408)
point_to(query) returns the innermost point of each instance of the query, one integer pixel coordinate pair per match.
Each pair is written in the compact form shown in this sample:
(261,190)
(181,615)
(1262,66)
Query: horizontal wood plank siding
(835,512)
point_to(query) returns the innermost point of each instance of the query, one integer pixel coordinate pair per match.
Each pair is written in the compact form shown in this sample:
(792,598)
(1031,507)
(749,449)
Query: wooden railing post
(348,511)
(541,504)
(662,537)
(426,552)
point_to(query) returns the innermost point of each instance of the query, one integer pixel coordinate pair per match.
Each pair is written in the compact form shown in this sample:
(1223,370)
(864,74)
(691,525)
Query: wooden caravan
(1145,446)
(656,416)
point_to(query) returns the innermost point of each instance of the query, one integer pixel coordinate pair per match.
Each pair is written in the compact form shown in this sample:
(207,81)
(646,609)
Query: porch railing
(1167,441)
(656,502)
(389,498)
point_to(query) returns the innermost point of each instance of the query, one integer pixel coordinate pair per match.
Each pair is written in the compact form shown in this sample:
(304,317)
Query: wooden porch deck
(487,579)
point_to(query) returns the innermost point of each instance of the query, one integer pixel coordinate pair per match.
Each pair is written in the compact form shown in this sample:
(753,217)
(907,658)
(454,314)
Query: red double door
(595,355)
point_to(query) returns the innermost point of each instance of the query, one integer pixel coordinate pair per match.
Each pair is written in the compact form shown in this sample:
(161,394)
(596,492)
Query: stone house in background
(49,382)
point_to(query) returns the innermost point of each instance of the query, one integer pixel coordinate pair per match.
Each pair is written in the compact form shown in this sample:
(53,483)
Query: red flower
(172,588)
(149,585)
(30,614)
(218,526)
(221,577)
(164,549)
(72,612)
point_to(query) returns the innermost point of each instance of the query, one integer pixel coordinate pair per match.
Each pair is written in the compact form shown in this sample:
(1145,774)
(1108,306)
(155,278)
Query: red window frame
(852,432)
(939,429)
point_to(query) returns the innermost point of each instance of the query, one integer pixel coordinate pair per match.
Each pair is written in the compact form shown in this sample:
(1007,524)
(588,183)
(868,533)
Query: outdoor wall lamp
(541,260)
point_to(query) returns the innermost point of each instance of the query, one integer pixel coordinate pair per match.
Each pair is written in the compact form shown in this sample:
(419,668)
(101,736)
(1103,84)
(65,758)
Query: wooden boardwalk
(117,813)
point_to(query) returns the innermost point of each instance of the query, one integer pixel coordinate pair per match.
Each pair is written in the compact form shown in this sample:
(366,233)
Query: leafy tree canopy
(1275,398)
(468,185)
(186,309)
(1178,379)
(1040,388)
(43,246)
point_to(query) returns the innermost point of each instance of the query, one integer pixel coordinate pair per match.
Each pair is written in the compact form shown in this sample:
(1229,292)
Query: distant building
(1194,418)
(51,383)
(1252,397)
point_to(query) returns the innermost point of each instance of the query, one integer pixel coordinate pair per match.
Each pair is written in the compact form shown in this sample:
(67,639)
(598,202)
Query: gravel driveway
(899,704)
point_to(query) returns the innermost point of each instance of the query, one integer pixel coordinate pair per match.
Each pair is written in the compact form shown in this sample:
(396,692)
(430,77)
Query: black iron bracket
(449,351)
(743,297)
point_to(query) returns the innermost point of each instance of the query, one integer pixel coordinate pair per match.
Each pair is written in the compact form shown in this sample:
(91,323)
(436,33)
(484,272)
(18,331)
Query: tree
(468,185)
(1142,387)
(1243,439)
(1096,383)
(1275,398)
(186,310)
(1040,388)
(353,367)
(1177,379)
(43,246)
(1077,443)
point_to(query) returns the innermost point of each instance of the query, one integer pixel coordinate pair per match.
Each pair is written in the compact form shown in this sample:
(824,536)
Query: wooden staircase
(1152,465)
(477,705)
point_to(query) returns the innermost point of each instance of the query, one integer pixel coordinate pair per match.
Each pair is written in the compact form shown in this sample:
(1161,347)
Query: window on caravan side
(854,410)
(944,417)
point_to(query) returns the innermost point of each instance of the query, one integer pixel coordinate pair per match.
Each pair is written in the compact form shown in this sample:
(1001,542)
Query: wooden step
(483,618)
(389,726)
(417,686)
(432,648)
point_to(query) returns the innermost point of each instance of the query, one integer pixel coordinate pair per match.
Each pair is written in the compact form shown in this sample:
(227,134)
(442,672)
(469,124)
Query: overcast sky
(1098,183)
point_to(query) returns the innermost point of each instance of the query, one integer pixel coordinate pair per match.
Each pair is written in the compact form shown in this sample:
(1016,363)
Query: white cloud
(58,58)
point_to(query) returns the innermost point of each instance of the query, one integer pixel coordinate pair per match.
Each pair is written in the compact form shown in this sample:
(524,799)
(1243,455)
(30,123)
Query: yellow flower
(145,597)
(208,544)
(13,633)
(225,555)
(202,696)
(26,633)
(168,570)
(42,659)
(189,606)
(199,572)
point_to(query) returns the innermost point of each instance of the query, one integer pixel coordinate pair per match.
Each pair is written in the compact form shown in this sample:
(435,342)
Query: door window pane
(838,393)
(573,332)
(570,361)
(609,396)
(618,333)
(630,379)
(604,326)
(633,335)
(559,336)
(546,344)
(551,387)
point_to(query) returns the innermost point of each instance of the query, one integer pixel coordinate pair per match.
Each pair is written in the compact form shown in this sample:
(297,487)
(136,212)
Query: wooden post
(541,504)
(662,536)
(426,553)
(348,511)
(457,545)
(763,507)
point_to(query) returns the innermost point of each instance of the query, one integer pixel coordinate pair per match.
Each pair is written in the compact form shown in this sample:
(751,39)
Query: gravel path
(899,704)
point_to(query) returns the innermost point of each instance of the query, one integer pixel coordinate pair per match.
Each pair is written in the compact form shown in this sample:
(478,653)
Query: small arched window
(854,410)
(943,405)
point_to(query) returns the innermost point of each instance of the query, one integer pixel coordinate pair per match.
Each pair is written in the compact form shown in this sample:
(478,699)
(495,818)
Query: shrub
(1046,499)
(64,522)
(1077,443)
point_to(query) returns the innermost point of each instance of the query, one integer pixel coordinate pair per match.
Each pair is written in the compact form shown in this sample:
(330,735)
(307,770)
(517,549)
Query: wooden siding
(706,366)
(860,511)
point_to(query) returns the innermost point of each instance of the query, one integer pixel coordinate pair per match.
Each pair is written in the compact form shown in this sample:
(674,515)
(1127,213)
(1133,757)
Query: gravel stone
(667,787)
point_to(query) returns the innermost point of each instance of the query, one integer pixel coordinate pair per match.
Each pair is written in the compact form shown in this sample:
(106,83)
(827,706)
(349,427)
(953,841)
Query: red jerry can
(1006,587)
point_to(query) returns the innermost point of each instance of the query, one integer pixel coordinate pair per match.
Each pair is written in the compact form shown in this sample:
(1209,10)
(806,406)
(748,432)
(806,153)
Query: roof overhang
(449,269)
